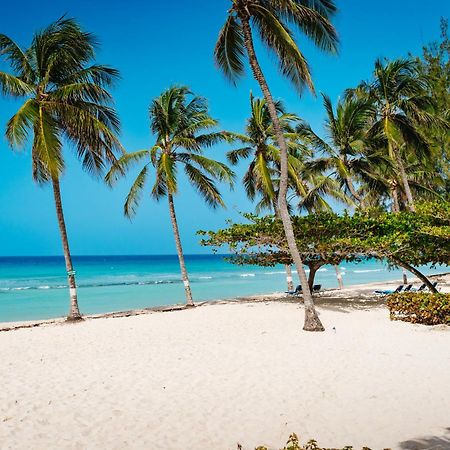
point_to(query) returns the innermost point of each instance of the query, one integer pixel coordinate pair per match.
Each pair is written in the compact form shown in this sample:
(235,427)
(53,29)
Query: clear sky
(155,44)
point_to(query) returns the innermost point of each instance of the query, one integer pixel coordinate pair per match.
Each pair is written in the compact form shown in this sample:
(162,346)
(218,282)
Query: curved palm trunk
(176,233)
(339,276)
(74,312)
(312,321)
(404,177)
(351,188)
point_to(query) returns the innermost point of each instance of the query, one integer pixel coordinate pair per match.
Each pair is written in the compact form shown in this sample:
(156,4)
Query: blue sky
(155,44)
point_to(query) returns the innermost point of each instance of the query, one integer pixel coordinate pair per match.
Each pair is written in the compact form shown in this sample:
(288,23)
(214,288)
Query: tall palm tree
(262,175)
(270,20)
(260,144)
(344,149)
(182,125)
(65,100)
(402,106)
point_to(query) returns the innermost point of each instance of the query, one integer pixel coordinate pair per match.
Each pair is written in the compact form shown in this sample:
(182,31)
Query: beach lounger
(420,289)
(408,288)
(434,284)
(298,291)
(387,292)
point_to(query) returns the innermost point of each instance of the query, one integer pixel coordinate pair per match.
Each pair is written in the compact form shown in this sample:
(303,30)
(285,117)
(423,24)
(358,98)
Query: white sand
(221,374)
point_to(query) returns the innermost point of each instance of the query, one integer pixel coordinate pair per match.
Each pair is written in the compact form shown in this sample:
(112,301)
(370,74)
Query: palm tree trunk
(290,283)
(351,188)
(312,321)
(404,276)
(394,195)
(404,177)
(396,209)
(287,267)
(74,312)
(176,233)
(339,276)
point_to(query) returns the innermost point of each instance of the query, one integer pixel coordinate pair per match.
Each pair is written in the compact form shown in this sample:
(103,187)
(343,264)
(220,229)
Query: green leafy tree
(65,100)
(182,125)
(271,20)
(434,65)
(406,239)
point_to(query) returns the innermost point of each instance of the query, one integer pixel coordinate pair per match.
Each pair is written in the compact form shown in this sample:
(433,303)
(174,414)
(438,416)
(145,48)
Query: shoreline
(360,294)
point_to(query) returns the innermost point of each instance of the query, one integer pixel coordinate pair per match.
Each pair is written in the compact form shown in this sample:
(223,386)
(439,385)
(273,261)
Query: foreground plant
(271,21)
(420,307)
(293,443)
(65,99)
(182,125)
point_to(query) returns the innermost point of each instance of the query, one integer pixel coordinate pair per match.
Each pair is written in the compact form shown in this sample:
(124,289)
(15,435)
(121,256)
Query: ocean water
(36,287)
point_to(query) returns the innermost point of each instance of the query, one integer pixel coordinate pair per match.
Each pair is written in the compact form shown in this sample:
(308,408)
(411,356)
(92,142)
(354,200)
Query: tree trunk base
(312,321)
(77,318)
(189,305)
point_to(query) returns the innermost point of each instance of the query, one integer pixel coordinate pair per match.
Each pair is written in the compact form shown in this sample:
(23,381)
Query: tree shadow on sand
(428,443)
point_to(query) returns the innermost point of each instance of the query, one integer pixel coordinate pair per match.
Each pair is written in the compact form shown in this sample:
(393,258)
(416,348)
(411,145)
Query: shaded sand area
(210,377)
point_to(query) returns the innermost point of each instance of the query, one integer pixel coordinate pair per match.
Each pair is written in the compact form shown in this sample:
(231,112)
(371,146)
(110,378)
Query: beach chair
(434,284)
(420,289)
(317,288)
(408,288)
(387,292)
(298,291)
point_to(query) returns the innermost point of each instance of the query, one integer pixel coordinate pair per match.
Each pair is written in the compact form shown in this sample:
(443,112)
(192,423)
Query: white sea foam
(247,275)
(368,270)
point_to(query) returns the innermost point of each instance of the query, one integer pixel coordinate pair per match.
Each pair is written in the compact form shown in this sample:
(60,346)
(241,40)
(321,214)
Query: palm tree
(65,100)
(259,142)
(344,150)
(402,106)
(182,125)
(270,20)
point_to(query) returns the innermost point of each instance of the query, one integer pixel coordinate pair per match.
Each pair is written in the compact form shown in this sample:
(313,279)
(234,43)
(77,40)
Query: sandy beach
(220,374)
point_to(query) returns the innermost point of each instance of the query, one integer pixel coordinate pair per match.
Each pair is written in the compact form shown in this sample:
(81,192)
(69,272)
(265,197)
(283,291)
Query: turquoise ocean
(36,287)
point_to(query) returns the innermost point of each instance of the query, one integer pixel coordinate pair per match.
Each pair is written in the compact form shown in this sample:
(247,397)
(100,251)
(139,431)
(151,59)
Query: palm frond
(135,193)
(229,51)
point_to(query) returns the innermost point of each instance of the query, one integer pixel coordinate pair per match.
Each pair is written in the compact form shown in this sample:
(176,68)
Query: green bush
(293,443)
(420,307)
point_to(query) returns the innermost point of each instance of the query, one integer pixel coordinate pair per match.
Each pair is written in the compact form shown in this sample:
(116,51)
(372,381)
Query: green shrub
(293,443)
(420,307)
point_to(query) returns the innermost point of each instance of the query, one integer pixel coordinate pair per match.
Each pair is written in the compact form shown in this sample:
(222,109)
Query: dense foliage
(420,307)
(405,239)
